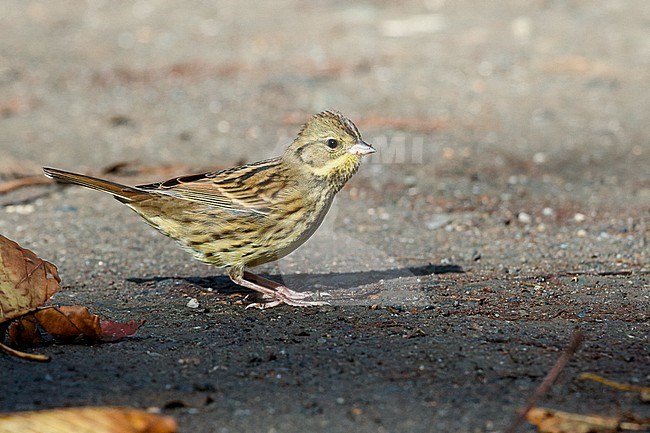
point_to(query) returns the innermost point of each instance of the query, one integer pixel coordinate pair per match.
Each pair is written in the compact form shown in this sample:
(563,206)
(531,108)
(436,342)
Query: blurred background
(519,85)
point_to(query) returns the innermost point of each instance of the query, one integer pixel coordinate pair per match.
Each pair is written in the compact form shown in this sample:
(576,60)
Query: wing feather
(250,189)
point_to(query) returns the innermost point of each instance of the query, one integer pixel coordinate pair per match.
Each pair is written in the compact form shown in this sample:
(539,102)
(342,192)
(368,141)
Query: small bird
(252,214)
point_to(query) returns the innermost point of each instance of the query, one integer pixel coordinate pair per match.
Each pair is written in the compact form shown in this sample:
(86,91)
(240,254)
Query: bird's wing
(251,189)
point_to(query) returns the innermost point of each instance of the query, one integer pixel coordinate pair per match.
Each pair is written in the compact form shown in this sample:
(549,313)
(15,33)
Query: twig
(548,381)
(11,185)
(118,168)
(22,355)
(602,273)
(612,383)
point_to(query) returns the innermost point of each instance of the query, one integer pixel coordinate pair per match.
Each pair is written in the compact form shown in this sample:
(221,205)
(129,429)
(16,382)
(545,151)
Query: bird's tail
(121,192)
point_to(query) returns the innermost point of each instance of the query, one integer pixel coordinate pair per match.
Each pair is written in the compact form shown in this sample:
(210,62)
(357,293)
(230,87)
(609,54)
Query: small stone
(437,221)
(581,233)
(193,303)
(539,158)
(548,212)
(524,218)
(579,217)
(410,180)
(521,28)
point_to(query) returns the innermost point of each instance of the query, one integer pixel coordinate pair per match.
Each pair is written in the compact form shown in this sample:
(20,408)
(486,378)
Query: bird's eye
(332,143)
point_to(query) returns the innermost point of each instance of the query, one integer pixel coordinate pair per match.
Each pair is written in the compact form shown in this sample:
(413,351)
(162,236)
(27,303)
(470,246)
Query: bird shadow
(306,281)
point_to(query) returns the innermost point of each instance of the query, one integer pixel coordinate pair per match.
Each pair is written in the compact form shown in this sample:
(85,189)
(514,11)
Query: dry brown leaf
(67,324)
(113,331)
(87,420)
(556,421)
(23,332)
(26,281)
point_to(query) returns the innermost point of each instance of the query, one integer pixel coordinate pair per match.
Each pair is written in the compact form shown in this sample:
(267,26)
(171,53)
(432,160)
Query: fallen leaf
(556,421)
(113,331)
(67,324)
(87,420)
(26,281)
(23,332)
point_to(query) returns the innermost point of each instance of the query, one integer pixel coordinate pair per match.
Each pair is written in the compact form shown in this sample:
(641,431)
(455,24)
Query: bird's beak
(362,148)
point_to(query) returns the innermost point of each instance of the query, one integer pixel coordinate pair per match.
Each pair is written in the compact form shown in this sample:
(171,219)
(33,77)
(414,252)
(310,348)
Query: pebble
(579,217)
(193,303)
(524,218)
(539,158)
(410,180)
(437,221)
(521,28)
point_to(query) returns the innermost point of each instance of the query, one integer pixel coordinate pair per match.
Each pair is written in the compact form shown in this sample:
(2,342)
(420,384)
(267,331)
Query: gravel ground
(507,206)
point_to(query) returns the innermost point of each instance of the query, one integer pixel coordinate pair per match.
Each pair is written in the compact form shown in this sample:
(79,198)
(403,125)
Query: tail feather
(121,192)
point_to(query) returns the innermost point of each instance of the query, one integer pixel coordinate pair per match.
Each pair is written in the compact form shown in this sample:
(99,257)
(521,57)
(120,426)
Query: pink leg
(275,293)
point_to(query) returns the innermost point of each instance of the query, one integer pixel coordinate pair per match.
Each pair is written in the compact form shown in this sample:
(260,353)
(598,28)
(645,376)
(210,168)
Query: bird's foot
(273,294)
(284,295)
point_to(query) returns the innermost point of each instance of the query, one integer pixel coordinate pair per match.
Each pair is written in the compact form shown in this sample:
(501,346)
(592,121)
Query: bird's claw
(284,295)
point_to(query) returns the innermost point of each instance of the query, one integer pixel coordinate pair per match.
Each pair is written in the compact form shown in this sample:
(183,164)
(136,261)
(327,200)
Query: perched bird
(253,214)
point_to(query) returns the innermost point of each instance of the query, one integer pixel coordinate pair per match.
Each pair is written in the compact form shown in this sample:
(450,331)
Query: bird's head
(329,146)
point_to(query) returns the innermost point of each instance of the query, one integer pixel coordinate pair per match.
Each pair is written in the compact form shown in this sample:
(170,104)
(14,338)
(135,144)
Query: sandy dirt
(507,207)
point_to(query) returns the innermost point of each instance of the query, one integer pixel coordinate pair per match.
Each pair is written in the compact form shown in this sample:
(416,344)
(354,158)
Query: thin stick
(548,381)
(22,355)
(613,384)
(11,185)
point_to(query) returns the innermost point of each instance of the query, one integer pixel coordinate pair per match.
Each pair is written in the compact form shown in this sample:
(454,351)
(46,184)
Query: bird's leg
(276,293)
(280,288)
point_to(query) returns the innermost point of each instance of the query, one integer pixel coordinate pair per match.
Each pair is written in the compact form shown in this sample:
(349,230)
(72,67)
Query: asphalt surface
(507,207)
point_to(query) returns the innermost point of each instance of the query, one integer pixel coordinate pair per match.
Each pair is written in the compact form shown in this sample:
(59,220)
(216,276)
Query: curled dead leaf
(26,281)
(67,324)
(87,420)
